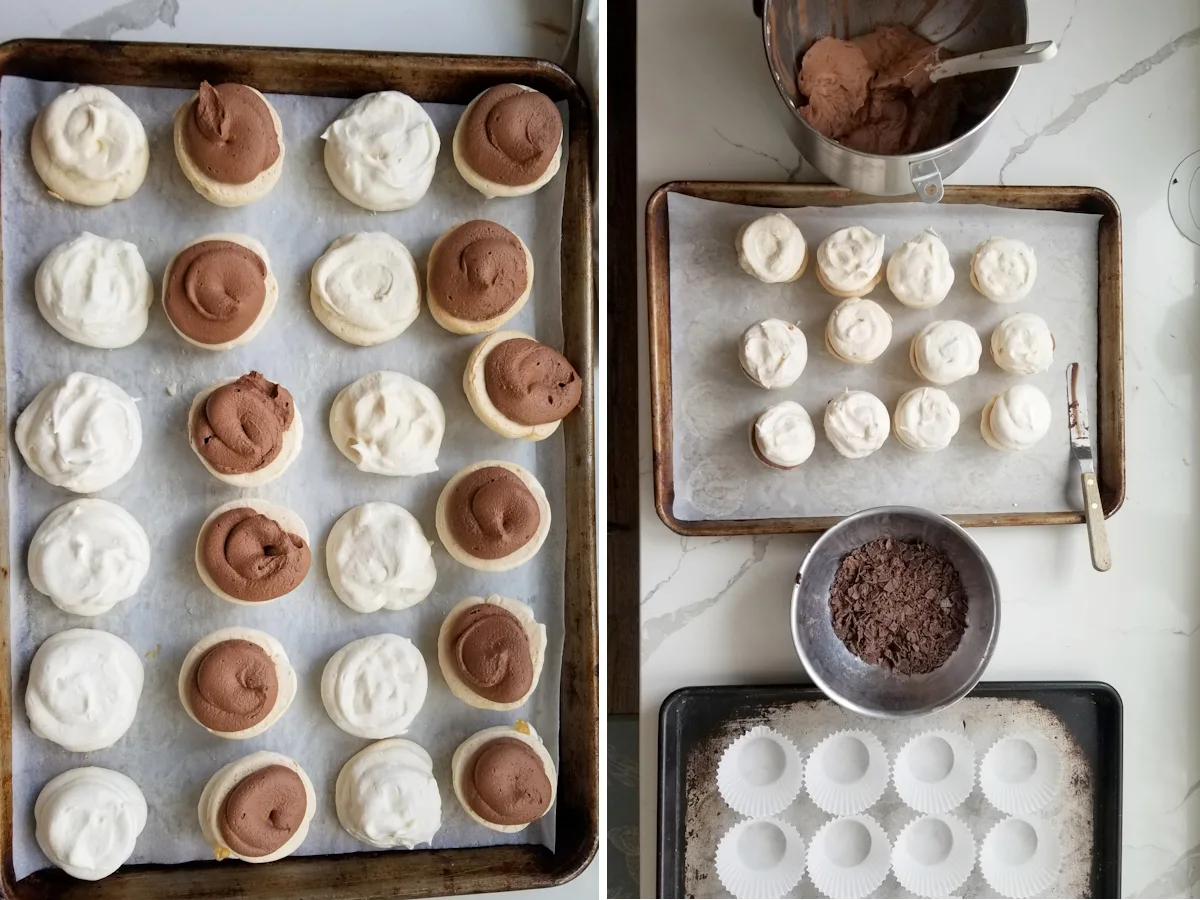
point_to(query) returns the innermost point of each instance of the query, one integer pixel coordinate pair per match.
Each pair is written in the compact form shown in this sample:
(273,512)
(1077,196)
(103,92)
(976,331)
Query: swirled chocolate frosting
(251,558)
(215,290)
(507,783)
(234,686)
(230,134)
(530,383)
(240,426)
(262,813)
(491,513)
(479,270)
(510,135)
(491,653)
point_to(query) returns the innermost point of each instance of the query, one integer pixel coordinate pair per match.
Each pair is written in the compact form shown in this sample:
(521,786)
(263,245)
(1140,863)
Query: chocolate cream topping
(478,271)
(251,558)
(240,426)
(491,513)
(229,133)
(491,652)
(511,135)
(507,783)
(262,813)
(530,383)
(215,291)
(234,686)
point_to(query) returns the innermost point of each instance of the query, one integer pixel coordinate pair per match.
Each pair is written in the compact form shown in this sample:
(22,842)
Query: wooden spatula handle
(1093,514)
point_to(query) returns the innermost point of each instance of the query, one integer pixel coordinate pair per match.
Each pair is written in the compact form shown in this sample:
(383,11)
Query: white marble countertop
(1117,109)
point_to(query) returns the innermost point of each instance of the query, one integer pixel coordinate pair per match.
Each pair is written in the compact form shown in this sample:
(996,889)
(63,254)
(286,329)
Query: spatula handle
(1093,514)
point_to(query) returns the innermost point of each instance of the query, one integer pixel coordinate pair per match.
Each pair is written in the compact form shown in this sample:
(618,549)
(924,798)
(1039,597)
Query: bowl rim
(981,665)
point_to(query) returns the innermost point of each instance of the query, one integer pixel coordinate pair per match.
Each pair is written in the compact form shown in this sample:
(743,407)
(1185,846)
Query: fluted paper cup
(760,773)
(760,858)
(933,855)
(1020,856)
(847,773)
(935,771)
(849,857)
(1021,774)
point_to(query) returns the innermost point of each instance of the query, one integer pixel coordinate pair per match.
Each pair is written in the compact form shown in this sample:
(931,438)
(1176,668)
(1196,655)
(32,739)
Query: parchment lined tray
(707,481)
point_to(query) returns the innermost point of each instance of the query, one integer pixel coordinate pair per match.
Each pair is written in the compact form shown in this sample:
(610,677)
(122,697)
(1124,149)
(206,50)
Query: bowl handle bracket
(926,180)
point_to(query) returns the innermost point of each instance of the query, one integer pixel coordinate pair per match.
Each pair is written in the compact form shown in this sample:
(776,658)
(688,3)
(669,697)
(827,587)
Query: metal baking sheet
(1084,719)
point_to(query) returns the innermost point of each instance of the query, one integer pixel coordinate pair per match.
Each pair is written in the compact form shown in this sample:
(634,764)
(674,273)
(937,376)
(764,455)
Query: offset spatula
(1081,449)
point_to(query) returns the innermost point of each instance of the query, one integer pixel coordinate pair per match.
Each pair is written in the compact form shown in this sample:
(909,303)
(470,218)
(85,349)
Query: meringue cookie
(850,261)
(919,273)
(508,141)
(82,433)
(493,652)
(88,555)
(943,352)
(389,424)
(365,288)
(255,577)
(858,331)
(83,691)
(89,147)
(926,419)
(772,249)
(381,152)
(95,291)
(783,436)
(857,424)
(386,795)
(226,780)
(1016,419)
(379,558)
(1003,269)
(773,353)
(535,383)
(518,493)
(375,686)
(87,821)
(1022,344)
(463,772)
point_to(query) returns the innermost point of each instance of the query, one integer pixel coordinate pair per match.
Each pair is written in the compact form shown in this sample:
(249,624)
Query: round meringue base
(348,331)
(491,189)
(222,784)
(523,732)
(534,632)
(293,438)
(519,556)
(475,386)
(288,520)
(845,294)
(453,323)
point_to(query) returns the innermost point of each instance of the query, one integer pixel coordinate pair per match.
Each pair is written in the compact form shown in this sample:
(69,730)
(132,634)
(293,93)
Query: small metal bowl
(872,690)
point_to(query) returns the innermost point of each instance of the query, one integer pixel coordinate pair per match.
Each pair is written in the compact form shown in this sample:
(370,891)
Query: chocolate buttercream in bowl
(492,654)
(230,134)
(234,686)
(507,784)
(510,135)
(251,558)
(262,813)
(530,383)
(478,271)
(240,426)
(491,513)
(215,291)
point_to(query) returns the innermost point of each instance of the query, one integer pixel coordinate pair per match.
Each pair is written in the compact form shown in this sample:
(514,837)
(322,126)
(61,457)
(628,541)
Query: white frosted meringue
(81,433)
(919,273)
(849,260)
(89,147)
(858,331)
(379,558)
(95,291)
(375,686)
(1003,269)
(88,820)
(926,419)
(1022,344)
(857,424)
(1016,419)
(773,353)
(943,352)
(772,249)
(365,288)
(381,152)
(386,795)
(389,424)
(83,691)
(88,555)
(783,435)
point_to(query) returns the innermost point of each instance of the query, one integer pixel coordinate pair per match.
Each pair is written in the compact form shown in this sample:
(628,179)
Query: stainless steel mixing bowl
(873,690)
(962,26)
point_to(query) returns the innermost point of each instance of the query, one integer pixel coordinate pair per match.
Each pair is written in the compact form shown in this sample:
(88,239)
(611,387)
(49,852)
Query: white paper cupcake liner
(760,858)
(933,855)
(849,857)
(1021,774)
(1021,857)
(760,773)
(847,772)
(935,771)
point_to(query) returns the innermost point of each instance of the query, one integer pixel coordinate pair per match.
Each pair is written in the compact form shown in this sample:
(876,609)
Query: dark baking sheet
(691,716)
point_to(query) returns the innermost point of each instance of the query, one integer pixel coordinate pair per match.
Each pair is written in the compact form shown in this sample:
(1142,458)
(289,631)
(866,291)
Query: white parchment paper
(170,493)
(713,301)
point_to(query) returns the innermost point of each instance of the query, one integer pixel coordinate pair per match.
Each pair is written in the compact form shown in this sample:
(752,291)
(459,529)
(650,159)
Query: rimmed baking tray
(1108,408)
(428,78)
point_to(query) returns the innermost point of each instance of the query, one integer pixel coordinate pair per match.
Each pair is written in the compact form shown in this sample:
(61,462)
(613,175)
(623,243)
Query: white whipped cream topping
(1022,344)
(1018,418)
(386,795)
(81,433)
(857,424)
(920,274)
(379,558)
(926,419)
(859,330)
(771,248)
(943,352)
(375,686)
(784,434)
(84,686)
(89,555)
(381,152)
(367,284)
(88,820)
(1004,269)
(95,291)
(850,258)
(389,424)
(774,353)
